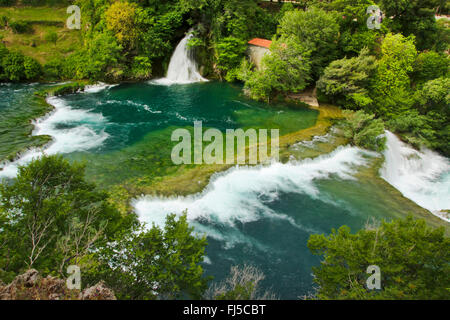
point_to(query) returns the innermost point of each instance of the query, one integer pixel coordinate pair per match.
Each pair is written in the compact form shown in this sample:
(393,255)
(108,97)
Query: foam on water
(243,193)
(94,88)
(422,176)
(71,130)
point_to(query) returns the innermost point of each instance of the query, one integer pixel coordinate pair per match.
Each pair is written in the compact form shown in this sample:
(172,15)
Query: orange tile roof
(260,42)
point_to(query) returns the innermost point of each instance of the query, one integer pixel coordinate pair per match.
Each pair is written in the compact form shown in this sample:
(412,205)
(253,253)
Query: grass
(43,20)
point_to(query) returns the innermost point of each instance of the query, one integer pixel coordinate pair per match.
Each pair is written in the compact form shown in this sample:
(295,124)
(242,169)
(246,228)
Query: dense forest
(394,77)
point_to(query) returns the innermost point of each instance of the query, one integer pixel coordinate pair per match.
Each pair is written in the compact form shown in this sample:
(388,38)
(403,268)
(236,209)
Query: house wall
(256,54)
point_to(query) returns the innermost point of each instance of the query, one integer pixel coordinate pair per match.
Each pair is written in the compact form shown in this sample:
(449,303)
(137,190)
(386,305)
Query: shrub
(412,257)
(20,26)
(430,65)
(53,69)
(33,69)
(363,130)
(13,67)
(141,68)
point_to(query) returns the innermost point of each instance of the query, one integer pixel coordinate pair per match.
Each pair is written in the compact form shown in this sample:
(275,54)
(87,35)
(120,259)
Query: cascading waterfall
(182,66)
(422,176)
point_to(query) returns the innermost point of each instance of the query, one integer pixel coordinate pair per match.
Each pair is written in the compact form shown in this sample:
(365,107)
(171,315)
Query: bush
(33,69)
(285,70)
(52,70)
(412,257)
(430,65)
(20,26)
(363,130)
(141,68)
(13,67)
(230,51)
(346,81)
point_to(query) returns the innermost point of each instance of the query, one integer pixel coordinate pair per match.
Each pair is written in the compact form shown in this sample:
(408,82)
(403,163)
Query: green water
(261,216)
(140,119)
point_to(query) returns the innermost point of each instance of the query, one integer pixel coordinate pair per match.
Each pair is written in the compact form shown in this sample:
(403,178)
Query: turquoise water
(261,216)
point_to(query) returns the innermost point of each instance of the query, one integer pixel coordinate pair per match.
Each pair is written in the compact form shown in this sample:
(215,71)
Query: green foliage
(285,70)
(412,17)
(442,35)
(316,30)
(412,257)
(121,19)
(391,87)
(414,128)
(230,51)
(154,263)
(242,73)
(97,61)
(353,24)
(13,68)
(346,81)
(52,217)
(7,2)
(435,96)
(33,69)
(141,68)
(363,130)
(430,65)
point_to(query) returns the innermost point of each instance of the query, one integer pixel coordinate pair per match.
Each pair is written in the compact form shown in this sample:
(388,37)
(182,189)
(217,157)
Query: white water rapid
(422,176)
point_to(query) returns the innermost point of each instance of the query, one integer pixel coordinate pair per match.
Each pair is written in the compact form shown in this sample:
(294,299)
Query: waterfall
(182,66)
(421,176)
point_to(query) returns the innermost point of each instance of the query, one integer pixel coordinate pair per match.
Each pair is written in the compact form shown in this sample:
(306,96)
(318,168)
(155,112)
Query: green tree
(141,68)
(33,69)
(346,81)
(412,17)
(155,263)
(430,65)
(52,217)
(412,257)
(13,68)
(353,24)
(121,20)
(230,51)
(316,30)
(363,130)
(285,70)
(391,88)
